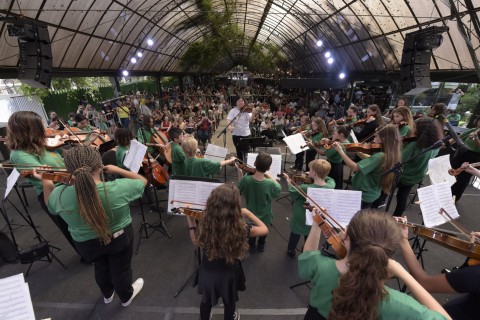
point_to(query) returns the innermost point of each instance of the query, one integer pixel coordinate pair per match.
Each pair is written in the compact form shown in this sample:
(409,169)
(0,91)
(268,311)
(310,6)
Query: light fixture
(341,75)
(330,60)
(139,54)
(150,42)
(125,73)
(133,60)
(319,43)
(327,54)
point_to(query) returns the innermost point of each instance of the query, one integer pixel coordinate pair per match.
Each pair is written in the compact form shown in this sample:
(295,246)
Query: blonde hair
(391,144)
(406,115)
(190,147)
(321,167)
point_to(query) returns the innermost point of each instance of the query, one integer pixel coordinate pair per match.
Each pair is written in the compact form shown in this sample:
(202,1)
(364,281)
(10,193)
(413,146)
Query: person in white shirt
(240,127)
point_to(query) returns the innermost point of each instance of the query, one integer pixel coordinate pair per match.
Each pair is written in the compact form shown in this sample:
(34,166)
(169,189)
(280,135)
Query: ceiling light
(133,60)
(330,60)
(139,54)
(327,54)
(150,42)
(125,73)
(319,43)
(341,75)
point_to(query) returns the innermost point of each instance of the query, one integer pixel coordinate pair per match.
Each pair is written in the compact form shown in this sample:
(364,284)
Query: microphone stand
(397,169)
(157,226)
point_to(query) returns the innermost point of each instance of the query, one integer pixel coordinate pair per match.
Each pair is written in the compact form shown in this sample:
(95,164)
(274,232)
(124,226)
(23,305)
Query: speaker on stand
(35,61)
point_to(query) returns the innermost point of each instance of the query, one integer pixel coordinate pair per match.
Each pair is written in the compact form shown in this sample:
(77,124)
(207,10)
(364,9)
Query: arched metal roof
(92,36)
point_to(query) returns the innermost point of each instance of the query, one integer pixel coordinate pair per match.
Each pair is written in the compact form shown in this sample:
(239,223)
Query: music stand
(197,251)
(38,252)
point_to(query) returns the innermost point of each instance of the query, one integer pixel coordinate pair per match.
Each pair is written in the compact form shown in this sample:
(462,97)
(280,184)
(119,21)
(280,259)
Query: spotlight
(125,73)
(139,54)
(328,54)
(133,60)
(150,42)
(319,43)
(330,60)
(341,75)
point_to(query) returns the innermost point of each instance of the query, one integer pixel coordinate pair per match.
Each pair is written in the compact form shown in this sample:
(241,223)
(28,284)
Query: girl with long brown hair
(318,130)
(222,235)
(402,117)
(354,287)
(98,217)
(26,139)
(368,176)
(373,121)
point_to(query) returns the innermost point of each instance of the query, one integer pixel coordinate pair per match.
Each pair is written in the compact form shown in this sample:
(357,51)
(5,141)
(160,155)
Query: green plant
(469,100)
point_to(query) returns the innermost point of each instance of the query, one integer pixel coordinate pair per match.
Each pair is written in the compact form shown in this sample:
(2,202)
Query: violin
(155,173)
(301,128)
(359,122)
(247,109)
(57,175)
(246,168)
(325,143)
(401,124)
(331,235)
(367,148)
(302,178)
(159,137)
(341,120)
(456,172)
(196,214)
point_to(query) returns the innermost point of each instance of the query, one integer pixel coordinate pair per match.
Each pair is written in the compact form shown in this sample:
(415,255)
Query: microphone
(461,148)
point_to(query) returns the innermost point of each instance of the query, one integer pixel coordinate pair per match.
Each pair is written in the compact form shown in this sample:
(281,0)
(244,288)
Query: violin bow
(458,226)
(71,132)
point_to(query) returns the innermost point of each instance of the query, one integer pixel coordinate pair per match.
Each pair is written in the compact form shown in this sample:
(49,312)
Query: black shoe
(291,253)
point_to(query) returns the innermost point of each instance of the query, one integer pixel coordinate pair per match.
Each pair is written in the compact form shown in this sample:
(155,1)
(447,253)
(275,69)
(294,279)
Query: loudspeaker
(415,85)
(421,57)
(415,70)
(35,61)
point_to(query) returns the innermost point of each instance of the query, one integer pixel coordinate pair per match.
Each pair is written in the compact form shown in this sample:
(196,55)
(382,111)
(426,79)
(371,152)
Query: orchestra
(66,156)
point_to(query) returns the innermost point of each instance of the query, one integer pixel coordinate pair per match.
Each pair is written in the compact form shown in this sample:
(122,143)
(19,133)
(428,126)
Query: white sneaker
(236,315)
(108,300)
(137,287)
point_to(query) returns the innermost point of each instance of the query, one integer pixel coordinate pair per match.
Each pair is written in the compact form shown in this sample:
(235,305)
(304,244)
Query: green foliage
(470,99)
(169,82)
(147,85)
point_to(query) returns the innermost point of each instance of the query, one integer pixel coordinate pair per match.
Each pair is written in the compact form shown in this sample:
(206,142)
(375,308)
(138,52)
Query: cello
(165,150)
(155,172)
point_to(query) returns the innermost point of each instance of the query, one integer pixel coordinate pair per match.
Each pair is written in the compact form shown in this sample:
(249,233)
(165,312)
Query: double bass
(165,150)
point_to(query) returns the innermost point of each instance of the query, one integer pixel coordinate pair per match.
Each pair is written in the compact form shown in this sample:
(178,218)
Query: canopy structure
(365,37)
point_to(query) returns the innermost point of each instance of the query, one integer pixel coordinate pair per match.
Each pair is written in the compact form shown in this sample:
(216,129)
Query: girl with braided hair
(354,286)
(99,220)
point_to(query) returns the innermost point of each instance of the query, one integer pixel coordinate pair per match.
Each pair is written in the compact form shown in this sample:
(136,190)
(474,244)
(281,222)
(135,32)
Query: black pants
(336,173)
(299,160)
(228,310)
(59,222)
(260,243)
(293,241)
(313,314)
(113,263)
(241,148)
(403,192)
(463,179)
(309,157)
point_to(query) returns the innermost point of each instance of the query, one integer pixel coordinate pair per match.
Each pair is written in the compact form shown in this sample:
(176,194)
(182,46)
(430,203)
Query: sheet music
(11,180)
(295,142)
(275,168)
(432,198)
(340,204)
(15,301)
(215,153)
(135,155)
(191,192)
(438,170)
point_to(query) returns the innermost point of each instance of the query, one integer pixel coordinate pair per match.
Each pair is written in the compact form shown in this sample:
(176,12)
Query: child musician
(259,190)
(178,156)
(319,170)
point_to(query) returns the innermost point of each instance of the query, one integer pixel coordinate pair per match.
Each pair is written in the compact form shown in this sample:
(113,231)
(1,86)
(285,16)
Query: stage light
(139,54)
(330,60)
(328,54)
(133,60)
(125,73)
(319,43)
(341,75)
(150,42)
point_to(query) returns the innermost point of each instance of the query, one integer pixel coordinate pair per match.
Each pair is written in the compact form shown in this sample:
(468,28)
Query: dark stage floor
(165,264)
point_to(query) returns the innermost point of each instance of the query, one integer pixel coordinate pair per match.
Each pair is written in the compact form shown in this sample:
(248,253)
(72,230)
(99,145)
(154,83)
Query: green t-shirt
(367,178)
(145,136)
(469,142)
(259,196)
(120,155)
(201,167)
(49,158)
(63,202)
(414,171)
(333,156)
(324,275)
(178,160)
(404,131)
(317,137)
(297,223)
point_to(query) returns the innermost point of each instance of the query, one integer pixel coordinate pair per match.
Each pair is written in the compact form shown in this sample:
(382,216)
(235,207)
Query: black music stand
(197,251)
(42,251)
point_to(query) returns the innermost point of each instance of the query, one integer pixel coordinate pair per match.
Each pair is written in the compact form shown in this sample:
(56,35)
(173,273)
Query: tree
(469,100)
